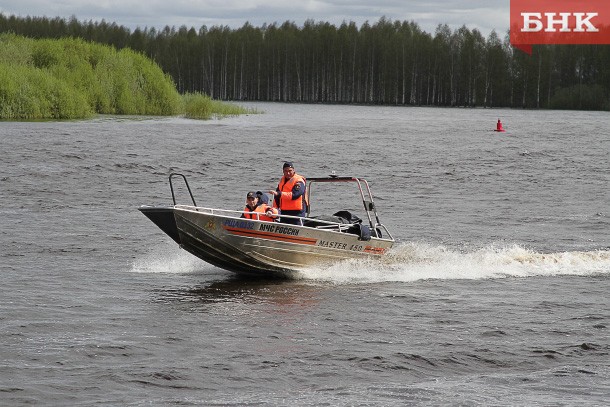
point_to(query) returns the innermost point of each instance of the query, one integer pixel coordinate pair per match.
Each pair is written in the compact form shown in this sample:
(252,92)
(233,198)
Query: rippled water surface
(496,294)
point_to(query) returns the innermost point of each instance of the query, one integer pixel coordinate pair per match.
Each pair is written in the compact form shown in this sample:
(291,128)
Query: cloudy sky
(485,15)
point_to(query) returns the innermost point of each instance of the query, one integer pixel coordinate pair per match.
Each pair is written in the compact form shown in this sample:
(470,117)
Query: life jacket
(259,213)
(286,201)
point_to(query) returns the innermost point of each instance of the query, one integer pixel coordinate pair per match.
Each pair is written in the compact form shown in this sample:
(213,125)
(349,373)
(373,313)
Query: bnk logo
(532,22)
(559,22)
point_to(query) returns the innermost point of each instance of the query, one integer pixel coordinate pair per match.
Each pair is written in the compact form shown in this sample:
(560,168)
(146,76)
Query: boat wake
(412,261)
(167,258)
(421,261)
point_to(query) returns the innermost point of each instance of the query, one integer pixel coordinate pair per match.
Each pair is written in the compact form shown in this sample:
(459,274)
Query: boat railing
(236,214)
(171,186)
(387,232)
(365,193)
(322,224)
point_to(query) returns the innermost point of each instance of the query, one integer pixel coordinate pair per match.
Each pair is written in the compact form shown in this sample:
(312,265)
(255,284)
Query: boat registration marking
(237,223)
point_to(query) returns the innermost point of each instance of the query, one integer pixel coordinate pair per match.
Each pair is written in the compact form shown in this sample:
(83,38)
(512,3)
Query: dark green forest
(387,62)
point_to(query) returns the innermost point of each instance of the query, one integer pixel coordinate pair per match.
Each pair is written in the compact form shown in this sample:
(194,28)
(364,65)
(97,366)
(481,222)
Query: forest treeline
(387,62)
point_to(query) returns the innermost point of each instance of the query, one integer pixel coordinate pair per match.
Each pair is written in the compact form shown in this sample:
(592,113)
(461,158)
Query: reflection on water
(245,291)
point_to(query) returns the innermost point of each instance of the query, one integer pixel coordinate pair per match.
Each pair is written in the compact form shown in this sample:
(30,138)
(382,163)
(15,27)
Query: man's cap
(262,197)
(251,194)
(288,164)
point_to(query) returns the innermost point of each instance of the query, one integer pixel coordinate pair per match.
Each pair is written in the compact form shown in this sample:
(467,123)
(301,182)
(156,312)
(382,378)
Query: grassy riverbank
(201,106)
(72,79)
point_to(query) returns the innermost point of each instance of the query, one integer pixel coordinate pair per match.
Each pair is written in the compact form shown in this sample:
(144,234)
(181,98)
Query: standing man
(289,196)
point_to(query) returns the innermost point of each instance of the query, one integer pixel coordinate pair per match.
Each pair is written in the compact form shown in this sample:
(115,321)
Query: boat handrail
(365,194)
(328,225)
(218,211)
(380,225)
(369,206)
(171,186)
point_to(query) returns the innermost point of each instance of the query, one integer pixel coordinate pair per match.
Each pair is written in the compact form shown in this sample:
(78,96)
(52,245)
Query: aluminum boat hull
(259,248)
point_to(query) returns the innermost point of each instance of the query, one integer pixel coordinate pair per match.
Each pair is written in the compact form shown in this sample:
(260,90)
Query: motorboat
(224,239)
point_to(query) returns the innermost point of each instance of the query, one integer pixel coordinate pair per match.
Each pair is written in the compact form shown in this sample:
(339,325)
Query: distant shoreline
(386,62)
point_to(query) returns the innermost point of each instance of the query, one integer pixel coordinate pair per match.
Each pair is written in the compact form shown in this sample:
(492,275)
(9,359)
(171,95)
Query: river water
(496,294)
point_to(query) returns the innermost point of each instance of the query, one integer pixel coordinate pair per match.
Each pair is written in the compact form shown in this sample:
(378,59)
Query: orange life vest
(259,213)
(285,187)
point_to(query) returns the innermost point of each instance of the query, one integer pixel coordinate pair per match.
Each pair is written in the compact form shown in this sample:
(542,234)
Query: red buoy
(499,126)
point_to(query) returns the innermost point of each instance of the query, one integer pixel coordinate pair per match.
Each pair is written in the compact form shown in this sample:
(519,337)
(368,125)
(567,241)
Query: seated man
(257,209)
